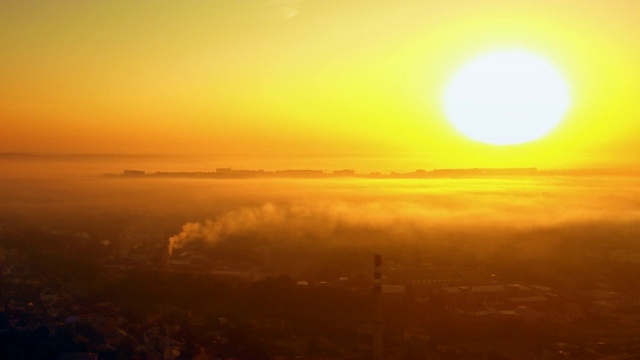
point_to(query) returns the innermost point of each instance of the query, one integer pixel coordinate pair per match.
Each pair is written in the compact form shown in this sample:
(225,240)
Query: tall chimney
(378,323)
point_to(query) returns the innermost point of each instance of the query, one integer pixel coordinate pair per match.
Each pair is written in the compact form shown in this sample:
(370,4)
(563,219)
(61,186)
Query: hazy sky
(326,83)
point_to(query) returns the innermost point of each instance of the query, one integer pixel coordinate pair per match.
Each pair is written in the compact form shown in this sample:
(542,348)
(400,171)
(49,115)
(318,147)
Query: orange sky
(348,83)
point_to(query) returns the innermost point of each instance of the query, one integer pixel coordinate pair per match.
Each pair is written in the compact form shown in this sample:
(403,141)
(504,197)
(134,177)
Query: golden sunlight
(507,97)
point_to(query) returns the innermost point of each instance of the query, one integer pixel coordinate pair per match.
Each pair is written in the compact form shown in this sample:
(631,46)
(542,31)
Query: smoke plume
(327,221)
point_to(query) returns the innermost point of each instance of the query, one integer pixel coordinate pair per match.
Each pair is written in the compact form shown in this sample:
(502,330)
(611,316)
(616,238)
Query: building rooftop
(484,288)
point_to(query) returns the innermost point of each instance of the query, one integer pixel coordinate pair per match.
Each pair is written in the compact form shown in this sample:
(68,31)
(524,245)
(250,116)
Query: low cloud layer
(407,220)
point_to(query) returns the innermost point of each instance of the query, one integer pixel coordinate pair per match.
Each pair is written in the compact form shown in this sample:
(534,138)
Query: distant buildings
(482,295)
(229,173)
(133,173)
(300,173)
(345,172)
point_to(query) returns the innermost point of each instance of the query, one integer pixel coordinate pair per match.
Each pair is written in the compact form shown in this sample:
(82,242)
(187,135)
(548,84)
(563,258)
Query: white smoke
(326,220)
(266,221)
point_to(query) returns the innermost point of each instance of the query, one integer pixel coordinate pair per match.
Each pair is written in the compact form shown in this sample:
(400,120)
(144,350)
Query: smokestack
(378,323)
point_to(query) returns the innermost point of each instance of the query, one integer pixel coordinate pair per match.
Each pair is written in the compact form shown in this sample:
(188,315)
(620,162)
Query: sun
(506,98)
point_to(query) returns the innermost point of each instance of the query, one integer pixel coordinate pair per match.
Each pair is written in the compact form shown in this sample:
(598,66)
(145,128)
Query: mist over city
(179,248)
(319,179)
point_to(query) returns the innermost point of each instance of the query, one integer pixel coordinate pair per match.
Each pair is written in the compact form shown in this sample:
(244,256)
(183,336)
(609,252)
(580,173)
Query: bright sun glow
(508,97)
